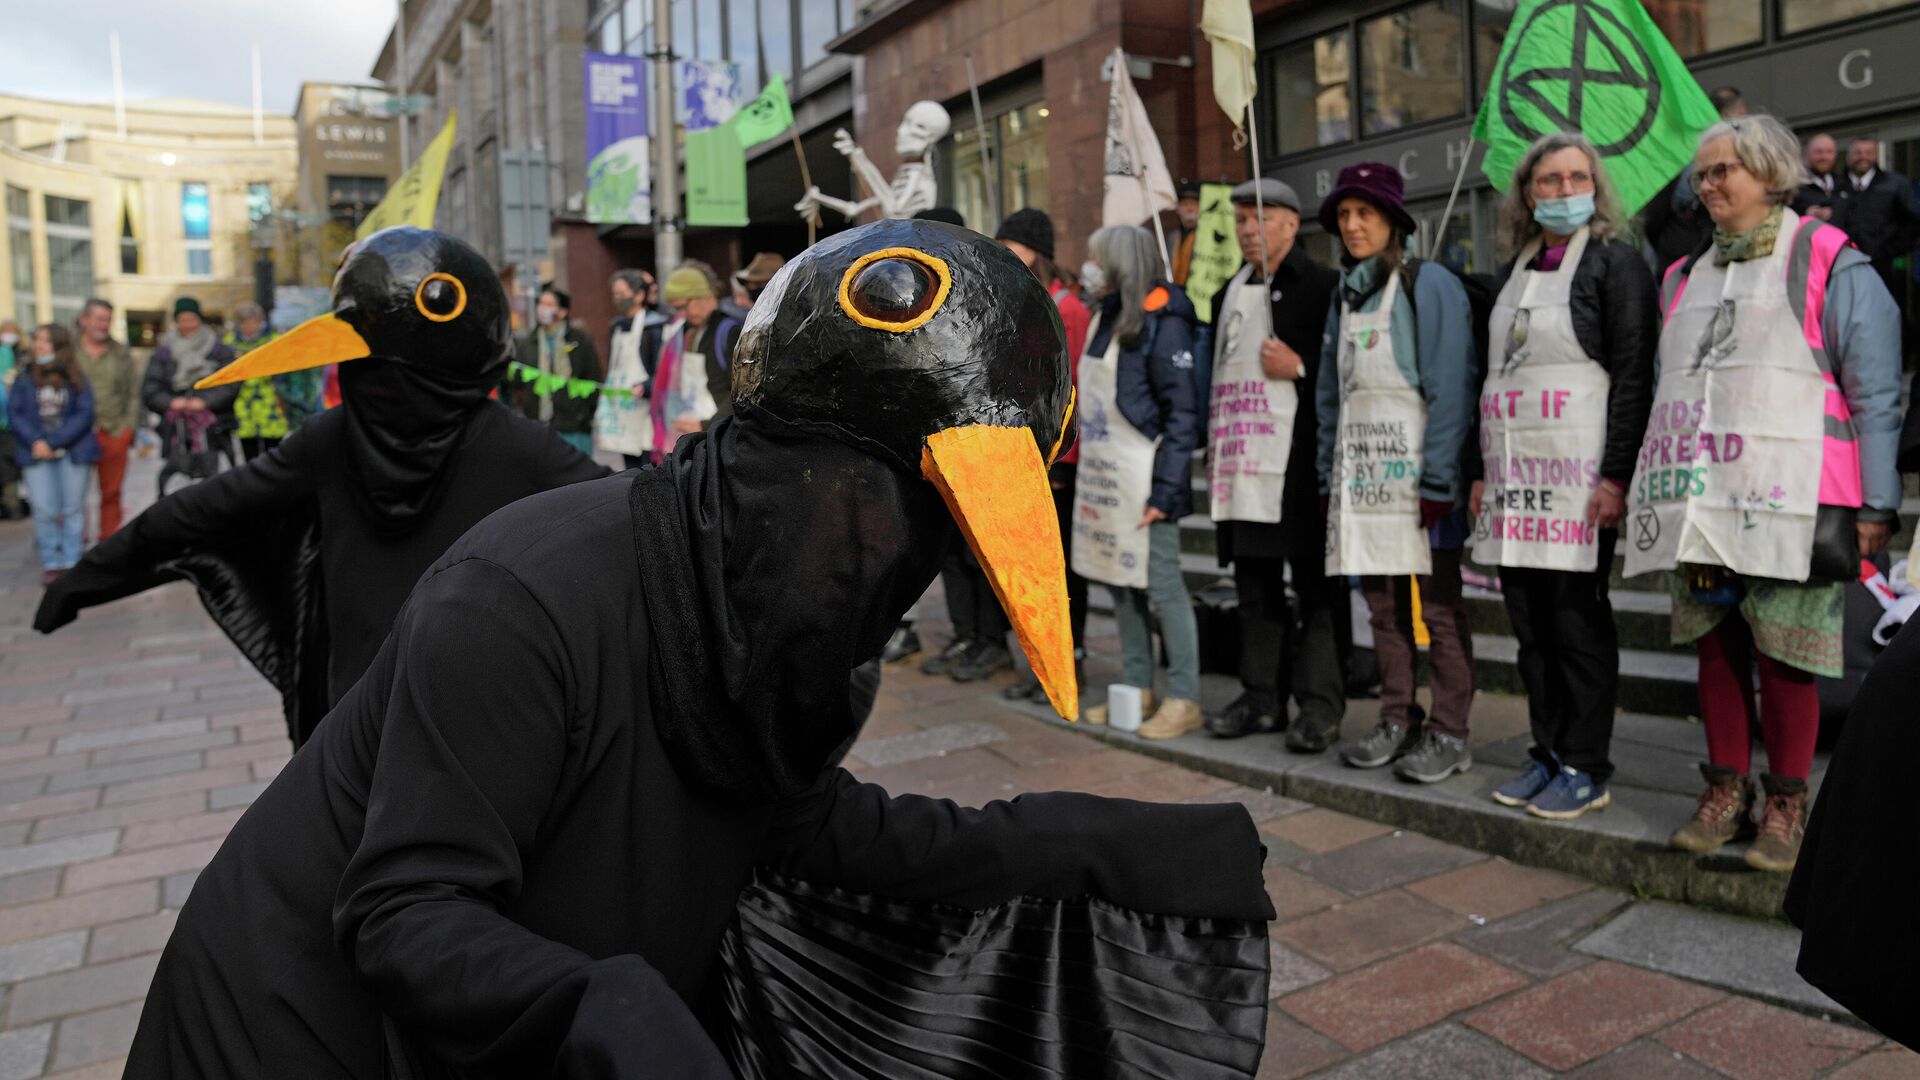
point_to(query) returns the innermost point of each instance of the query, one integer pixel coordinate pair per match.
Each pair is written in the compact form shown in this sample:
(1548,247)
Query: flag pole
(1260,211)
(989,165)
(806,178)
(1447,214)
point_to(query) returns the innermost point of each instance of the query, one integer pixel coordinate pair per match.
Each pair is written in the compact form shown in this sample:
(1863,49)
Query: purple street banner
(619,182)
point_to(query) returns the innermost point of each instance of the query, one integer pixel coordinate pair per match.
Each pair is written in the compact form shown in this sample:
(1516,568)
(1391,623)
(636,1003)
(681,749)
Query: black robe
(1852,893)
(512,850)
(293,561)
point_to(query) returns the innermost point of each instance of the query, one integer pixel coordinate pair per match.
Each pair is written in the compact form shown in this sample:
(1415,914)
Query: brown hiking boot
(1721,817)
(1785,822)
(1174,718)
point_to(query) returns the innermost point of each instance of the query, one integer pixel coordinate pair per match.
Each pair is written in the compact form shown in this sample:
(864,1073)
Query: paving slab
(1744,955)
(1448,1052)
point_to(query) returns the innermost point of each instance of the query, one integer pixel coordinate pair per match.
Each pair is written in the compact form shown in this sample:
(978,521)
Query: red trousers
(113,469)
(1789,705)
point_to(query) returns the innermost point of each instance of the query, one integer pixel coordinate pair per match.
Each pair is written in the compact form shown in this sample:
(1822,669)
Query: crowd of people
(1366,425)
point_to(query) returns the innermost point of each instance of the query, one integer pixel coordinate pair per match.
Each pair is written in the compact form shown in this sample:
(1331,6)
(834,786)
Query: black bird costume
(575,822)
(304,555)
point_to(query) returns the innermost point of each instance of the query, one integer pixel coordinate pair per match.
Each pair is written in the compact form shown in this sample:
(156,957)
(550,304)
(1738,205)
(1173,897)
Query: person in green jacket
(270,407)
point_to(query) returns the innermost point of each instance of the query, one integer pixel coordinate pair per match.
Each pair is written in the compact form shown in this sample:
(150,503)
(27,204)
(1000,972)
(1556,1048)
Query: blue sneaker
(1520,790)
(1571,794)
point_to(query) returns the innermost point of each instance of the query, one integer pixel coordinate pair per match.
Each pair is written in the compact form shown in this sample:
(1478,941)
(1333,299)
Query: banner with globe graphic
(1603,68)
(619,181)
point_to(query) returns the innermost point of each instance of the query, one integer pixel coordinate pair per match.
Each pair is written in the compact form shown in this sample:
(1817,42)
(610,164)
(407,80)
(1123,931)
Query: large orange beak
(322,340)
(995,483)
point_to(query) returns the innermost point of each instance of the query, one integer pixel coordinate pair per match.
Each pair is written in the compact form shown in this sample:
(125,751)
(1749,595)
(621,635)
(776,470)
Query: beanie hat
(185,303)
(1030,227)
(1375,182)
(687,283)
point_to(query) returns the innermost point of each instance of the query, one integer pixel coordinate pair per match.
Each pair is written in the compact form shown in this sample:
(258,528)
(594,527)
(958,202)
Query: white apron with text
(1249,416)
(1373,509)
(621,424)
(1114,479)
(1729,472)
(1543,425)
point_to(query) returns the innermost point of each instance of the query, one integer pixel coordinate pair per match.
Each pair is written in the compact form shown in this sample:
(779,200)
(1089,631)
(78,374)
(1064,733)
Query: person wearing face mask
(621,425)
(1395,414)
(50,409)
(1572,340)
(557,347)
(10,504)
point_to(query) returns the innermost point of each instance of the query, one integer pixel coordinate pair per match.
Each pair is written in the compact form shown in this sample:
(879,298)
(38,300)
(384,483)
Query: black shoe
(1248,715)
(982,658)
(1027,689)
(902,646)
(943,661)
(1312,734)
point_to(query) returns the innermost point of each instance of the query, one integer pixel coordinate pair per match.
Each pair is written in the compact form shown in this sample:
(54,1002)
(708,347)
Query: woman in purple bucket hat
(1401,375)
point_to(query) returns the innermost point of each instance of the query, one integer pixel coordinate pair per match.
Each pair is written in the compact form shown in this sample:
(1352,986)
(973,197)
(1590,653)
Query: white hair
(1767,148)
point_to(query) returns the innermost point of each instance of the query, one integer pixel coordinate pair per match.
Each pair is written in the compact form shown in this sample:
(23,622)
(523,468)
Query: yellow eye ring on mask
(896,289)
(433,299)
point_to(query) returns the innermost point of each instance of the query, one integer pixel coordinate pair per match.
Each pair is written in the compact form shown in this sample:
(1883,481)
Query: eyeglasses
(1553,182)
(1715,174)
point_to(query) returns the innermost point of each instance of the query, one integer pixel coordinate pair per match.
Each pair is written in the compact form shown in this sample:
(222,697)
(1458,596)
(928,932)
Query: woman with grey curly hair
(1767,472)
(1563,411)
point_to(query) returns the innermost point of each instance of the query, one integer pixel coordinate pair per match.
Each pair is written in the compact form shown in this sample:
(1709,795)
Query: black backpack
(1480,297)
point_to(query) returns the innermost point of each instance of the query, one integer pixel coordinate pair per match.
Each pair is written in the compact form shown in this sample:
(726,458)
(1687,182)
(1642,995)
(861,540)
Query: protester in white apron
(1770,428)
(692,384)
(1396,408)
(1265,341)
(1139,418)
(1562,412)
(622,424)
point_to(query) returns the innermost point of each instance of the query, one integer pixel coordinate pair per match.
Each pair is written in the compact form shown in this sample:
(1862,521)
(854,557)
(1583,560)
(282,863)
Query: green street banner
(1603,68)
(1216,250)
(716,177)
(765,117)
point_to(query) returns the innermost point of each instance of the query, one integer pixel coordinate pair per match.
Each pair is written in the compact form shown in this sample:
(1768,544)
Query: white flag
(1229,25)
(1138,185)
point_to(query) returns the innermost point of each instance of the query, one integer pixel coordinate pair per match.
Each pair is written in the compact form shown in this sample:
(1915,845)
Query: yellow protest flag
(413,197)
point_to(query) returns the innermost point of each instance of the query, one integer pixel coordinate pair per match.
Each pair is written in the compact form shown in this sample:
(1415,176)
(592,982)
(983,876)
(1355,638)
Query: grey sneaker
(1379,746)
(1436,758)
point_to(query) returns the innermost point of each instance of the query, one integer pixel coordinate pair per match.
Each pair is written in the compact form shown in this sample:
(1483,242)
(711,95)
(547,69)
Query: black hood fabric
(776,560)
(403,421)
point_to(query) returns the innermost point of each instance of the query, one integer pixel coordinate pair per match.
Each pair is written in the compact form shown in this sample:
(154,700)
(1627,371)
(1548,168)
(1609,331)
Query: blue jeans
(579,440)
(58,489)
(1166,591)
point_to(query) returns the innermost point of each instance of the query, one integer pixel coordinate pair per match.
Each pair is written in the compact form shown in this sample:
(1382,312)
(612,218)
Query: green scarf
(1755,243)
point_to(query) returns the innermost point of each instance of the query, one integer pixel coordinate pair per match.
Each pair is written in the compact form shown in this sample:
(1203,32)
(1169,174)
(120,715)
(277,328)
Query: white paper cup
(1123,707)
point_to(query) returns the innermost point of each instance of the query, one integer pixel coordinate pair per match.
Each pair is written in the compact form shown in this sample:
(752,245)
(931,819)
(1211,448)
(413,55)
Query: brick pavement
(131,741)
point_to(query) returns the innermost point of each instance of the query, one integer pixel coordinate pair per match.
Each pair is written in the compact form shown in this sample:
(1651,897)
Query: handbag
(1836,544)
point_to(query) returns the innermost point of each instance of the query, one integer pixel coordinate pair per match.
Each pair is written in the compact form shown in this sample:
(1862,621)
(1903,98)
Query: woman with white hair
(1767,471)
(1562,413)
(1139,417)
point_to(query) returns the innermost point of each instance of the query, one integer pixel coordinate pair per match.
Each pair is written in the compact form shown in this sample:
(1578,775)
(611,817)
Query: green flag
(765,116)
(1603,68)
(716,177)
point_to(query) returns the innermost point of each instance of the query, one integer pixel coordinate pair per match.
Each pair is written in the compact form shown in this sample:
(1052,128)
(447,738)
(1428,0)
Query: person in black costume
(305,554)
(574,821)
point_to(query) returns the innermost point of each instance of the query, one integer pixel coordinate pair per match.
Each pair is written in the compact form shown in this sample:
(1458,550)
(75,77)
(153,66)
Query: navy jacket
(1156,391)
(74,435)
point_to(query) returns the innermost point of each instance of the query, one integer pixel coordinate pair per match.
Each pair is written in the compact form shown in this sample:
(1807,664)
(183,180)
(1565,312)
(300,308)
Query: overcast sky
(188,48)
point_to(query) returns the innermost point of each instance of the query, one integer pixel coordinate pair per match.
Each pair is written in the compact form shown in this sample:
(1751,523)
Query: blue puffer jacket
(1155,388)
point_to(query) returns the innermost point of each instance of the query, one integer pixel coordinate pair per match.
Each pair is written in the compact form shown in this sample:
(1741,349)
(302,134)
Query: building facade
(349,143)
(182,201)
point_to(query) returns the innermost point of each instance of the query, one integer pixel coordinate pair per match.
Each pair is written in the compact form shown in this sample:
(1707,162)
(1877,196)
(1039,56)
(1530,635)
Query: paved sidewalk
(131,741)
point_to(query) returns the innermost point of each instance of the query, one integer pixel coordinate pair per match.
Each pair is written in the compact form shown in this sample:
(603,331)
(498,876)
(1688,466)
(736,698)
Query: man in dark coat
(1826,193)
(1285,652)
(1881,215)
(574,821)
(305,554)
(556,347)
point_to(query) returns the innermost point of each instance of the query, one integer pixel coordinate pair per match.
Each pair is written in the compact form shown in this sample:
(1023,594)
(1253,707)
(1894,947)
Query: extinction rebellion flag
(1603,68)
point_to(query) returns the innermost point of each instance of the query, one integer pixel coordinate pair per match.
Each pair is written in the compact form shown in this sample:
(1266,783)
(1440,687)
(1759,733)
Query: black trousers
(1061,476)
(1569,660)
(256,445)
(1294,648)
(971,605)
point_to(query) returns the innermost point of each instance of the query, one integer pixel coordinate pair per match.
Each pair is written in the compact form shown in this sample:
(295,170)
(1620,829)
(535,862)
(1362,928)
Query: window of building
(260,214)
(1017,146)
(129,244)
(69,255)
(1698,27)
(709,44)
(1797,15)
(20,252)
(196,220)
(743,40)
(611,39)
(1410,66)
(351,198)
(682,29)
(776,38)
(1312,103)
(819,24)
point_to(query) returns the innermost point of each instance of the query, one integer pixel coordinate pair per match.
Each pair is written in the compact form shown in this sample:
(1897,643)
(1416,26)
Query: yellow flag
(412,199)
(1229,25)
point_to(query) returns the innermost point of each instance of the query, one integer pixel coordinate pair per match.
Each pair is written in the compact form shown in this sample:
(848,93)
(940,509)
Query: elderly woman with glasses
(1767,472)
(1562,413)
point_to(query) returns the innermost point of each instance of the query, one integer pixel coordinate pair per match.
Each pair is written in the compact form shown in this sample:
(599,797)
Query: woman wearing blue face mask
(1569,385)
(51,410)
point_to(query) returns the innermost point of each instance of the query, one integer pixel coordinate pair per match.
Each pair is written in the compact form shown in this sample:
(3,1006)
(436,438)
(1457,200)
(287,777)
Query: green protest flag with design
(1603,68)
(765,117)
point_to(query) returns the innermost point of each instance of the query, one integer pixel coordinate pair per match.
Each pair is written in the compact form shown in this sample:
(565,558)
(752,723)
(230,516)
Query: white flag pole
(1447,214)
(1260,210)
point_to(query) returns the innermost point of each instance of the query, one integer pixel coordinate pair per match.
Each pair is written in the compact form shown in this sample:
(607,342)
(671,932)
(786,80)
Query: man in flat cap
(1267,324)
